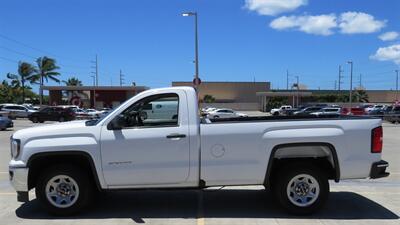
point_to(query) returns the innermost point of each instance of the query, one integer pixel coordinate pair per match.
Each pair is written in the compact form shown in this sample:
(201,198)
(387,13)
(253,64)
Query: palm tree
(25,74)
(360,96)
(73,81)
(46,70)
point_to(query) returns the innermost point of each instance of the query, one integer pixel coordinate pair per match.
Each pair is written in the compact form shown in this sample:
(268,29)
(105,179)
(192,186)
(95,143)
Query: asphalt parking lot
(351,202)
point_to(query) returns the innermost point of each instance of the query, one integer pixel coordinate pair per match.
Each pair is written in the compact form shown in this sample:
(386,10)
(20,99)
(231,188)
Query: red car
(354,111)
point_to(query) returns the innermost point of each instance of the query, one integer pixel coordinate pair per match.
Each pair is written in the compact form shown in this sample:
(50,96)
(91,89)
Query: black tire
(281,182)
(35,119)
(81,178)
(216,117)
(276,114)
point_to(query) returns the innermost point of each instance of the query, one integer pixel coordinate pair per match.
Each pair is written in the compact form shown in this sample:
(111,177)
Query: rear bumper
(378,170)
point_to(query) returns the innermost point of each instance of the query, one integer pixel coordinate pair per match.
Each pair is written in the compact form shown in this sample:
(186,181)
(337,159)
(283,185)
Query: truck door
(148,150)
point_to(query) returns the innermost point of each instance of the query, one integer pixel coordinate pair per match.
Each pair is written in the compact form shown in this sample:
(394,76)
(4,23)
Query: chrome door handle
(176,136)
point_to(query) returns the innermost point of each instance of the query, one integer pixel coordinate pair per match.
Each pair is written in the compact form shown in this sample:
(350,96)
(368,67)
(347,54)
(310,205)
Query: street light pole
(196,44)
(351,84)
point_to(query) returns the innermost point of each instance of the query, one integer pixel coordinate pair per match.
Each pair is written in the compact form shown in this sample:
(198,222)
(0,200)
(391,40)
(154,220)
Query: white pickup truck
(67,163)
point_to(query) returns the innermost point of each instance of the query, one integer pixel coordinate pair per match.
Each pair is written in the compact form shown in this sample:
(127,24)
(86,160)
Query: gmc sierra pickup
(137,147)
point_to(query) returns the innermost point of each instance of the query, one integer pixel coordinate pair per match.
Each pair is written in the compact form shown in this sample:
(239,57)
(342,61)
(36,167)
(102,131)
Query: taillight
(377,140)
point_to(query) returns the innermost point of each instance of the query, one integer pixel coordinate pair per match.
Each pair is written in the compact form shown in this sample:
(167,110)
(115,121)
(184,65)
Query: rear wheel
(35,119)
(301,189)
(64,190)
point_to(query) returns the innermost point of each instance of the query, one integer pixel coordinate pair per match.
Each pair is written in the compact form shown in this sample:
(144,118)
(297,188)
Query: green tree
(360,96)
(208,99)
(46,70)
(73,81)
(6,94)
(25,74)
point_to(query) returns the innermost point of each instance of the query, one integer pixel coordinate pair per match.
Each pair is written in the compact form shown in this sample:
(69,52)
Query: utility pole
(397,84)
(335,85)
(351,85)
(340,77)
(297,93)
(95,66)
(287,79)
(95,79)
(121,78)
(360,80)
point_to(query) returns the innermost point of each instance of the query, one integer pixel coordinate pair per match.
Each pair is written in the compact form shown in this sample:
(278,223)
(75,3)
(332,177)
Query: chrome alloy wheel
(303,190)
(62,191)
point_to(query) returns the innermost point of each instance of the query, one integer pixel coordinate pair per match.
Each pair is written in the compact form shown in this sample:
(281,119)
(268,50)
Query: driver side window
(153,111)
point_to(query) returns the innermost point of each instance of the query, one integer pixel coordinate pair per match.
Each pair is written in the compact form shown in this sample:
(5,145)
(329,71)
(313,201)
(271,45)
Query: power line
(7,59)
(34,48)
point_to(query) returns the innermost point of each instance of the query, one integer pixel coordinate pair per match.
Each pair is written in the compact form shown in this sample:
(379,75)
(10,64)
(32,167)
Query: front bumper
(378,169)
(19,180)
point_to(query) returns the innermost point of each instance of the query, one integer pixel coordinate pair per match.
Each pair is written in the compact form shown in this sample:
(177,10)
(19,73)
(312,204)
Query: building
(91,96)
(234,95)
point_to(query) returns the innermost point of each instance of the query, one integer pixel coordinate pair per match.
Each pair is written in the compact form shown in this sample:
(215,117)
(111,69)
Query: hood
(55,129)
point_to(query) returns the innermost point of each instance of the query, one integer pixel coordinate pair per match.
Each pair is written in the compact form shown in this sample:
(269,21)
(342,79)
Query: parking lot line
(200,212)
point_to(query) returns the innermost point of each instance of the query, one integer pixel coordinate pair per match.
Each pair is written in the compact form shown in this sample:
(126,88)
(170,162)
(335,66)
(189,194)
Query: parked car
(52,113)
(281,110)
(377,112)
(80,113)
(93,113)
(354,111)
(307,111)
(328,111)
(225,113)
(17,111)
(394,115)
(295,159)
(375,107)
(5,123)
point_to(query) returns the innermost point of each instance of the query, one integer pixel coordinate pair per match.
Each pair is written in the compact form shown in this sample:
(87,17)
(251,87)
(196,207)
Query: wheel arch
(39,161)
(275,149)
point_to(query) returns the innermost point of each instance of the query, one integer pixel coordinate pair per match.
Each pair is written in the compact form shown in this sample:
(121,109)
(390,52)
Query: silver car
(16,111)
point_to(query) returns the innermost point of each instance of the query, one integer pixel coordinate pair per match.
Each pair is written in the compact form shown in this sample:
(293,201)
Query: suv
(52,114)
(16,111)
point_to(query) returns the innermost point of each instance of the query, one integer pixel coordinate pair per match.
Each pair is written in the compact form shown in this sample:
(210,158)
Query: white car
(225,113)
(93,113)
(375,107)
(280,110)
(67,162)
(328,111)
(16,111)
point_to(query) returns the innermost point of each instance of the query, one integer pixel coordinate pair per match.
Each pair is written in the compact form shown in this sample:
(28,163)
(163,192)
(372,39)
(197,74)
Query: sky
(239,40)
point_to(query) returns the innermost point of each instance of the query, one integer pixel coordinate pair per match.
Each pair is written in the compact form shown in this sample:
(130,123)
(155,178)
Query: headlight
(15,148)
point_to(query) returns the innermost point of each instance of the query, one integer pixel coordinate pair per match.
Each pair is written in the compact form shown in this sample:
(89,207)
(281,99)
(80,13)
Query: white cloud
(319,25)
(358,22)
(390,53)
(389,36)
(273,7)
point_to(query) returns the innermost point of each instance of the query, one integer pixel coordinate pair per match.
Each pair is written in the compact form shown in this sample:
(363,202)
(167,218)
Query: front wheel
(64,190)
(301,189)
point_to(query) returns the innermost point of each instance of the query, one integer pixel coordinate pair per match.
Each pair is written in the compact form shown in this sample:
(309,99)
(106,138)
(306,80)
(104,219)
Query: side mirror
(117,123)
